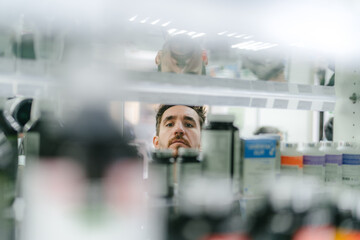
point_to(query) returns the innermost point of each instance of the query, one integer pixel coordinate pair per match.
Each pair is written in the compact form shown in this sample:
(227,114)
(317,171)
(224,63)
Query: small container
(188,165)
(161,173)
(351,164)
(333,162)
(313,161)
(278,153)
(291,160)
(220,145)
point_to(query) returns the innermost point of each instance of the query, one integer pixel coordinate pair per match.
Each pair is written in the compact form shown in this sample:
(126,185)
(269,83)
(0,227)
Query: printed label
(351,159)
(292,160)
(333,173)
(351,169)
(259,164)
(260,148)
(314,167)
(314,160)
(334,159)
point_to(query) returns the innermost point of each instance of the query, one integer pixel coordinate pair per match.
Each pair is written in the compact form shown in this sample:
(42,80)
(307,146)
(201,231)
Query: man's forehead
(180,111)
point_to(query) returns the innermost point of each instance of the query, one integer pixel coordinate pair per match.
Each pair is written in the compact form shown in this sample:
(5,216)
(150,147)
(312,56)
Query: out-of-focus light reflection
(133,18)
(253,45)
(239,36)
(198,35)
(180,32)
(266,47)
(155,22)
(222,33)
(144,20)
(248,37)
(231,34)
(191,33)
(166,24)
(242,44)
(170,31)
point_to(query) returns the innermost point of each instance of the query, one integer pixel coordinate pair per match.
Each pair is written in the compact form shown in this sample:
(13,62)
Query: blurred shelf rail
(193,89)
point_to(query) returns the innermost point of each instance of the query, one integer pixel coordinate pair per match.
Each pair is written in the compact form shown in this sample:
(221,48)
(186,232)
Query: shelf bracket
(353,98)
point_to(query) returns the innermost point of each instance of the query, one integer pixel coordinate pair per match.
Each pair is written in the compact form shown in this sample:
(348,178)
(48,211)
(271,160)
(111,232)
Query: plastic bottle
(313,161)
(220,145)
(291,159)
(351,164)
(333,162)
(161,173)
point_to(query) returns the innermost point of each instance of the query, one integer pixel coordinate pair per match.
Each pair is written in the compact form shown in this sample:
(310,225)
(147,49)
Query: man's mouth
(179,141)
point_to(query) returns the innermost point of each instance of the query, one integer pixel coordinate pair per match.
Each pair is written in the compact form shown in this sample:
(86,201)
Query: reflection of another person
(268,130)
(181,54)
(265,67)
(178,126)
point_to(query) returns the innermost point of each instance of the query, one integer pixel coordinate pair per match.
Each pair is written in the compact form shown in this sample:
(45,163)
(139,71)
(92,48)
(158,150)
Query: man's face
(179,127)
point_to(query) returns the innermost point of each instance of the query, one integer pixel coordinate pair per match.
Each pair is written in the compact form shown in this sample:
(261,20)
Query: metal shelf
(154,87)
(192,89)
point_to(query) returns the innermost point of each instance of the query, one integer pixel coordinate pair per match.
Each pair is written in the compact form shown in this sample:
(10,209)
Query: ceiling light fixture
(198,35)
(155,22)
(133,18)
(166,24)
(144,20)
(222,33)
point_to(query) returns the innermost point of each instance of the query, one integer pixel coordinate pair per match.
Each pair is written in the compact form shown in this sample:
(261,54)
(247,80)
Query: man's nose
(179,129)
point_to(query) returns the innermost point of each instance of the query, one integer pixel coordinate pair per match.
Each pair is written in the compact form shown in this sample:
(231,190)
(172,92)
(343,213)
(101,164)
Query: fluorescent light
(133,18)
(239,36)
(191,33)
(222,33)
(155,22)
(253,45)
(198,35)
(266,47)
(242,44)
(231,34)
(172,30)
(165,24)
(180,32)
(248,37)
(144,20)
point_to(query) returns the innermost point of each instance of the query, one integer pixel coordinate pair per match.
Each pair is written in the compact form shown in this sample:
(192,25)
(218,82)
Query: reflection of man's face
(179,127)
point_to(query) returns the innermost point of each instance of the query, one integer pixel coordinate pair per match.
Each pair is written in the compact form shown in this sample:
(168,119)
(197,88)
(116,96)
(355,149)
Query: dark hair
(200,110)
(266,130)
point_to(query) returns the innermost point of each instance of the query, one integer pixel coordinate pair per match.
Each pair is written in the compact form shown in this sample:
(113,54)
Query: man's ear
(156,142)
(158,58)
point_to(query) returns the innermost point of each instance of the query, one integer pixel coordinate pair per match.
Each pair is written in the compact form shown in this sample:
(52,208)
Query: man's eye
(169,125)
(189,125)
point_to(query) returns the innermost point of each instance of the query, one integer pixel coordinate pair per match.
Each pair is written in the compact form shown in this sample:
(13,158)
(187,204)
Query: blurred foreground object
(87,185)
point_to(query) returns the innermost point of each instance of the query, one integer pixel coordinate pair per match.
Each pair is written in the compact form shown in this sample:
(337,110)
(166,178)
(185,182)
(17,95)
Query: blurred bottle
(313,162)
(161,174)
(189,166)
(291,160)
(351,164)
(7,188)
(220,145)
(333,163)
(206,212)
